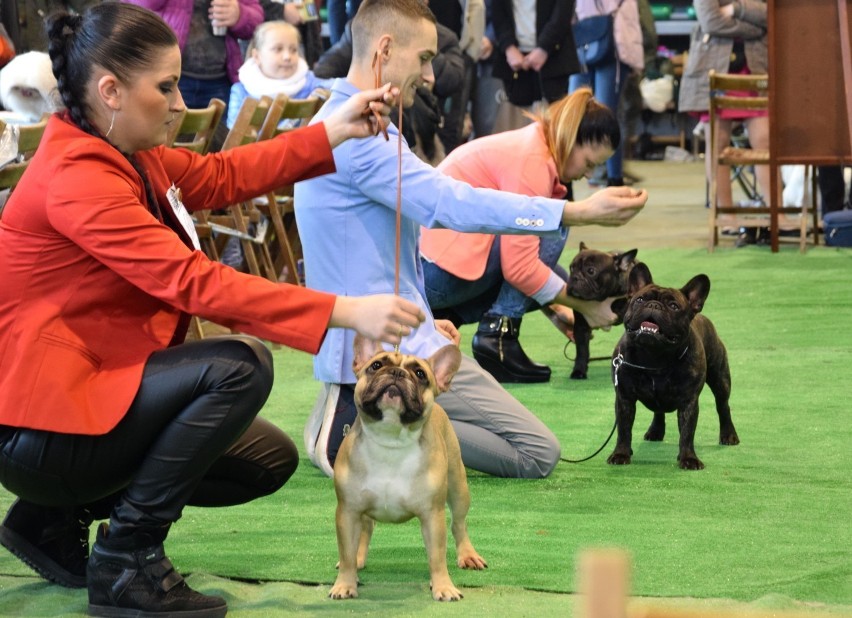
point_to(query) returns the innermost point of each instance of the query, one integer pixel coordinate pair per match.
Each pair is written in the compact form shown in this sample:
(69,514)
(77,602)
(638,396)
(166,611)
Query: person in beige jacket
(730,37)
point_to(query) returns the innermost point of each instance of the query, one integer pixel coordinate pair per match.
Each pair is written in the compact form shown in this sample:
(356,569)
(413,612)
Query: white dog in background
(28,87)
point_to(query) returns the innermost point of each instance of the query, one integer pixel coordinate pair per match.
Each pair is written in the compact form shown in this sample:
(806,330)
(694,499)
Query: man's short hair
(377,17)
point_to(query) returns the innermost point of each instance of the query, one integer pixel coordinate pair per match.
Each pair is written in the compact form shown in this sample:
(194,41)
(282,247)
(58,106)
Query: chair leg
(713,239)
(287,253)
(197,330)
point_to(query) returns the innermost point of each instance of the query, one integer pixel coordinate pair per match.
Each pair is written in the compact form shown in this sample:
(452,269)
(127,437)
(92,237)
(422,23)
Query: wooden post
(603,577)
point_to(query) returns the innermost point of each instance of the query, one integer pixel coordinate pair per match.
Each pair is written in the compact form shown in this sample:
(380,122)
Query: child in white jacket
(274,65)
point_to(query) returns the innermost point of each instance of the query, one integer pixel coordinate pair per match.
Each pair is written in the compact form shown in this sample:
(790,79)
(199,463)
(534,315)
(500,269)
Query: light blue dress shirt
(347,223)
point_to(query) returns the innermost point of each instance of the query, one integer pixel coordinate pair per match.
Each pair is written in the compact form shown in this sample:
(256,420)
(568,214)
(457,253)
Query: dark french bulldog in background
(667,353)
(401,459)
(596,275)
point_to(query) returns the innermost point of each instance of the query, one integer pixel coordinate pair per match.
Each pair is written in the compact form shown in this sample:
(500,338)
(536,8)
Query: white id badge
(185,219)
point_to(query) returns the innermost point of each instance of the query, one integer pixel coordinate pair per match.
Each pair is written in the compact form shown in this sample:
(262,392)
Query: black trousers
(832,188)
(191,436)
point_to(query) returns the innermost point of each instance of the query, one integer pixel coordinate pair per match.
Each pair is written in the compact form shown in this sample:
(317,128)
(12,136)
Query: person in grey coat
(730,37)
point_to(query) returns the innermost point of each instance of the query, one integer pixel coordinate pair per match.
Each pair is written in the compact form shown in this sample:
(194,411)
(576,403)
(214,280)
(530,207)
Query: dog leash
(617,363)
(377,71)
(609,437)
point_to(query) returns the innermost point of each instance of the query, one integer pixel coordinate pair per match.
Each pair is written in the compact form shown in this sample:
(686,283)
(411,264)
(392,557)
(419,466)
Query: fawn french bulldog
(401,459)
(665,356)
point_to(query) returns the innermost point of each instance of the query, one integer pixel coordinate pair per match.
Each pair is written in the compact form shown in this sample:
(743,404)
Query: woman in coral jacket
(495,280)
(104,410)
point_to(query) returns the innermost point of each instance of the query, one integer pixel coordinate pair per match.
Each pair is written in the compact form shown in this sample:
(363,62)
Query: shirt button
(525,222)
(518,221)
(540,222)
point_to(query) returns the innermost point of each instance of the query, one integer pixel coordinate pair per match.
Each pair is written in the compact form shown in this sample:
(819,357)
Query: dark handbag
(838,228)
(523,88)
(595,41)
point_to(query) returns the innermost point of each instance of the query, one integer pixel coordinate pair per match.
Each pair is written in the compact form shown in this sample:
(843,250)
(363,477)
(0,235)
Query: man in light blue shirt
(347,223)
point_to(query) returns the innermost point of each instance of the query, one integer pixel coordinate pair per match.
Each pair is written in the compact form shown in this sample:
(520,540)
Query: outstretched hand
(382,317)
(598,314)
(609,207)
(364,114)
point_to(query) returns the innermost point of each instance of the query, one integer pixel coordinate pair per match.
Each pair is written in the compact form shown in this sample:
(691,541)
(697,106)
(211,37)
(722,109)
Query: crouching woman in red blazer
(104,410)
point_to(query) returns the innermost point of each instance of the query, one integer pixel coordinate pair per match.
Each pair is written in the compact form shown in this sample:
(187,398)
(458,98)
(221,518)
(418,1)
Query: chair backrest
(256,120)
(195,128)
(298,112)
(28,136)
(734,91)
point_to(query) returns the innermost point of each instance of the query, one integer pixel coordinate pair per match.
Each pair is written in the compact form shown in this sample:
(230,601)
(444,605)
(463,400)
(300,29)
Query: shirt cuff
(549,290)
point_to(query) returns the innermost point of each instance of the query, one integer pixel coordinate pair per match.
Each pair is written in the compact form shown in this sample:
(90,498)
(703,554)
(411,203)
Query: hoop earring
(111,124)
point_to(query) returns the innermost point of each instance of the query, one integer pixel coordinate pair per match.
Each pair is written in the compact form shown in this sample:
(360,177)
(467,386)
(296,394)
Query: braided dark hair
(121,38)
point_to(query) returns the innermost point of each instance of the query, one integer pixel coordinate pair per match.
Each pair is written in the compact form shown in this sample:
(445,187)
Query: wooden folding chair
(194,130)
(757,99)
(28,137)
(256,121)
(280,207)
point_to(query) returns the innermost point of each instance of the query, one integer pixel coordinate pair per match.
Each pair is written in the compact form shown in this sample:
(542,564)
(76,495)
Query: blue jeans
(606,82)
(197,93)
(338,13)
(465,302)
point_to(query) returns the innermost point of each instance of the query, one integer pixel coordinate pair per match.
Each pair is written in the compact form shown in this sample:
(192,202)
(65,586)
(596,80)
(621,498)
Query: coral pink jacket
(93,283)
(516,161)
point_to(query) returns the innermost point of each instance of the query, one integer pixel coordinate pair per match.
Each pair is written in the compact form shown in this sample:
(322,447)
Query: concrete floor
(673,217)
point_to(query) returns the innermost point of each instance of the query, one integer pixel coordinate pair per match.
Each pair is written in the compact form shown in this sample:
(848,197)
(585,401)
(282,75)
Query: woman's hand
(534,60)
(597,314)
(224,12)
(486,49)
(514,58)
(610,207)
(383,317)
(358,116)
(448,330)
(291,14)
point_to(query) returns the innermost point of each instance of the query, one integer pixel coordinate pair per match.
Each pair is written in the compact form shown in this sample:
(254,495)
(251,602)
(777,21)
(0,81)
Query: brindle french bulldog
(667,353)
(596,275)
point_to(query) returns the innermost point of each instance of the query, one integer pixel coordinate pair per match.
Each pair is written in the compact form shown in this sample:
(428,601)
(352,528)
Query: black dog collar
(618,361)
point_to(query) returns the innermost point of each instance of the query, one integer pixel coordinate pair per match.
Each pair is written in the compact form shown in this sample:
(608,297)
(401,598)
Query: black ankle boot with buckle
(497,349)
(131,576)
(54,542)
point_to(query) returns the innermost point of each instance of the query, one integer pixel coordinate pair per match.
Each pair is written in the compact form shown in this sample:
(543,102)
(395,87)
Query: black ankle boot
(127,580)
(54,542)
(497,349)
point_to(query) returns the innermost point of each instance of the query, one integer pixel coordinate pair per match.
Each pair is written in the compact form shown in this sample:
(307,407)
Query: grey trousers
(497,434)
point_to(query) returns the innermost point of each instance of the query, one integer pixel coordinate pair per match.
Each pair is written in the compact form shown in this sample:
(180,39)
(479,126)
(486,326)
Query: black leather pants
(190,437)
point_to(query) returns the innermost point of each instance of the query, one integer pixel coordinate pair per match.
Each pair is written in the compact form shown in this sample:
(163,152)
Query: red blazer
(91,283)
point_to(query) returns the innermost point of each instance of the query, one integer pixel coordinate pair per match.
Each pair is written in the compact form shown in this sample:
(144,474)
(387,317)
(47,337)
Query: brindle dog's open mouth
(651,329)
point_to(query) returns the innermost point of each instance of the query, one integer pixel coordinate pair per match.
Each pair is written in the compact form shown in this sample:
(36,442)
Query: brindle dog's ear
(583,246)
(364,349)
(640,276)
(445,363)
(624,261)
(696,292)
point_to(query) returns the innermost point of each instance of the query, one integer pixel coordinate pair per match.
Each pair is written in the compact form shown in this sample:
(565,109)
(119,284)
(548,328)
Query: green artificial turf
(767,523)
